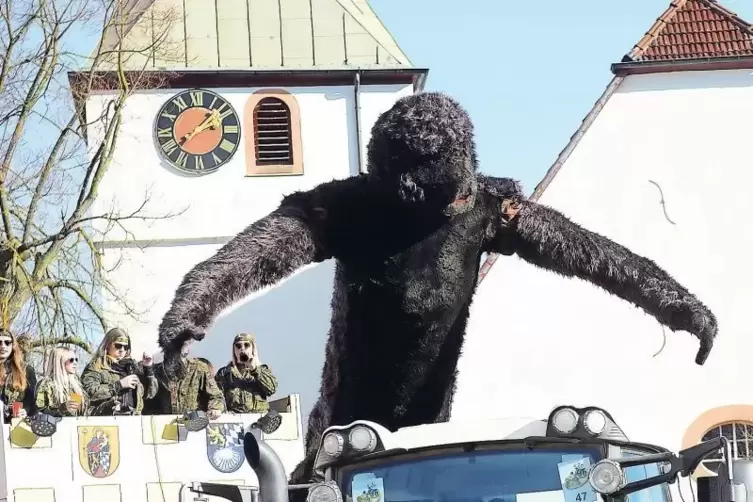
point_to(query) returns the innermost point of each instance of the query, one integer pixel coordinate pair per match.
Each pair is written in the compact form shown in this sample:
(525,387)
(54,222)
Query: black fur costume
(408,239)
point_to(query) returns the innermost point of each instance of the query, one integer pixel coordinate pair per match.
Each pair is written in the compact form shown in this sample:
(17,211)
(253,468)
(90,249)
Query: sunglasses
(72,360)
(121,346)
(242,345)
(6,343)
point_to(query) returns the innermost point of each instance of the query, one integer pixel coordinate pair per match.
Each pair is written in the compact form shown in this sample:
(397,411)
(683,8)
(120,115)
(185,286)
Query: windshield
(541,475)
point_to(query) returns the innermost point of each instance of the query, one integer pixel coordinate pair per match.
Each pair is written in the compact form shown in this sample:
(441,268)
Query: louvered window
(272,133)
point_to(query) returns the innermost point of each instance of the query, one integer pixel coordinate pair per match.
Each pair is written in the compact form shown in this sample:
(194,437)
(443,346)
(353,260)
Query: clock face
(197,131)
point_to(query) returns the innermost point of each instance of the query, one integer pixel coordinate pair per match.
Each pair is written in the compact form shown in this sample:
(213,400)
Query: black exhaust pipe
(273,484)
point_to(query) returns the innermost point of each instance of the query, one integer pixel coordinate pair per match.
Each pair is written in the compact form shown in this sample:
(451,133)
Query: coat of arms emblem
(99,450)
(225,446)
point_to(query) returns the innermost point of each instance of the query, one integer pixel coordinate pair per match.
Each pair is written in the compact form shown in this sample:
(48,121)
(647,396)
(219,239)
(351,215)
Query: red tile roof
(694,29)
(688,30)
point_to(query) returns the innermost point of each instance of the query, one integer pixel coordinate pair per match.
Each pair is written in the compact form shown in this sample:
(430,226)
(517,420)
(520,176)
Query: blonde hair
(63,383)
(101,360)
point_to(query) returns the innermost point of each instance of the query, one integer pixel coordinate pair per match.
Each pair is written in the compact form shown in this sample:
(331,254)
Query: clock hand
(212,121)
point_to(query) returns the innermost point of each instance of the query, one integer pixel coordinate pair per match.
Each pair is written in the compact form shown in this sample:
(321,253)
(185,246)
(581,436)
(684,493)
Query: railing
(137,459)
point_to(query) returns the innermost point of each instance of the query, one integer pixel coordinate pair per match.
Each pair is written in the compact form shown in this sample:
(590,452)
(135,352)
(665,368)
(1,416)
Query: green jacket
(103,388)
(48,401)
(246,390)
(196,391)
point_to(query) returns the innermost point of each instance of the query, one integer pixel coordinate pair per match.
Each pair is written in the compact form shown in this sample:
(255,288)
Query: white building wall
(291,320)
(537,340)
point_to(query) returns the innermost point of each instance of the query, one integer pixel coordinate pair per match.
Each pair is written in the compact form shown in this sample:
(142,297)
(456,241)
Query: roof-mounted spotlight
(583,423)
(594,421)
(362,439)
(565,420)
(351,441)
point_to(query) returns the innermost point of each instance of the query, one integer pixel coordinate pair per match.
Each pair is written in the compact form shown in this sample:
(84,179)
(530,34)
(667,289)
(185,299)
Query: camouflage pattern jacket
(196,391)
(246,390)
(26,397)
(104,390)
(48,401)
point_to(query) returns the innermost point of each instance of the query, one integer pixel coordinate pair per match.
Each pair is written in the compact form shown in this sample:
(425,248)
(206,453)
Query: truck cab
(575,455)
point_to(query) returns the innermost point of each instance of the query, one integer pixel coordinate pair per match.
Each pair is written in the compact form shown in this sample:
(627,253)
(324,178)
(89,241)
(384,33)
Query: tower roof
(694,29)
(253,34)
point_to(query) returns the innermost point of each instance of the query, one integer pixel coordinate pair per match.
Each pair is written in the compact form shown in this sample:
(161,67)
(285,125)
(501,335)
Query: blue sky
(527,71)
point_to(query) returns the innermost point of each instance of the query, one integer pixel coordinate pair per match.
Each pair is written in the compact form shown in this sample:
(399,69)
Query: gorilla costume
(408,238)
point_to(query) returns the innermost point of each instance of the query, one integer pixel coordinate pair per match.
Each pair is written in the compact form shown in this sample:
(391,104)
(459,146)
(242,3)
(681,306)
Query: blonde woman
(60,393)
(115,383)
(245,382)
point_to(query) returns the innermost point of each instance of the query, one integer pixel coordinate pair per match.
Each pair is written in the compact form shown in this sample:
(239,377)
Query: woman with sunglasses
(60,393)
(18,380)
(115,383)
(246,383)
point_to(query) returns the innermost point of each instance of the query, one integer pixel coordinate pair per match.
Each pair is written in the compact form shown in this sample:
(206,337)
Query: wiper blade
(534,441)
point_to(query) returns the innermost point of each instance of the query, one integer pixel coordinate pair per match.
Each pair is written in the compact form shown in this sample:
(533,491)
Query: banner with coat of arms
(225,446)
(99,450)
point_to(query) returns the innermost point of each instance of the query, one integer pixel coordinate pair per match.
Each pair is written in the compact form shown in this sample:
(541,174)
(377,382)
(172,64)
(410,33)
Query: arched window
(273,142)
(274,147)
(735,422)
(740,436)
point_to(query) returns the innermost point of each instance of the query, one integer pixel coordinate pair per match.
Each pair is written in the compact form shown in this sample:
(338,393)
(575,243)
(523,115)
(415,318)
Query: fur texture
(408,239)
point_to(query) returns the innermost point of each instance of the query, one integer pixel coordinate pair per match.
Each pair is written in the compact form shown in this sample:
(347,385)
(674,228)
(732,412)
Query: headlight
(595,422)
(324,492)
(333,444)
(565,420)
(349,442)
(607,477)
(362,439)
(583,423)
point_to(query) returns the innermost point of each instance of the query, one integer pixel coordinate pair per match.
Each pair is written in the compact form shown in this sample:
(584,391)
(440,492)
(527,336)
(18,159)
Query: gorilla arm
(546,238)
(263,254)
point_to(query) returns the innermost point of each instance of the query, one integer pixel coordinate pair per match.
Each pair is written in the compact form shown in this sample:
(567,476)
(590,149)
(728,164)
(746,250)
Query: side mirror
(608,476)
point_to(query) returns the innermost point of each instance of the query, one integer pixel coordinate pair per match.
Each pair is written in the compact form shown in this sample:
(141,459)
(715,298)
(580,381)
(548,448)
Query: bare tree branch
(52,276)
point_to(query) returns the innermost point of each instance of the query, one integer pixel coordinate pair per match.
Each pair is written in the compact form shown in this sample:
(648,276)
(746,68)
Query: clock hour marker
(197,98)
(169,116)
(216,159)
(231,129)
(180,103)
(181,160)
(165,133)
(226,113)
(227,145)
(199,162)
(169,146)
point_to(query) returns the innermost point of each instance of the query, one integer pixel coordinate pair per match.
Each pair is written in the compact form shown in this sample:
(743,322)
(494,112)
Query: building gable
(690,35)
(694,29)
(253,34)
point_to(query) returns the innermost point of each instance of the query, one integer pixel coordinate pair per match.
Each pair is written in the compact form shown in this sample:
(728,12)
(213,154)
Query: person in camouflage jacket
(245,382)
(190,388)
(114,382)
(60,392)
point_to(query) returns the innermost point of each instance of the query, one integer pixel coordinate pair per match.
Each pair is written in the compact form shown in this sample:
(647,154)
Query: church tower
(241,102)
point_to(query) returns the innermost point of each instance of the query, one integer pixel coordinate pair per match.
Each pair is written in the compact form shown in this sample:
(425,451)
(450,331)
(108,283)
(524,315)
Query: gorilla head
(423,147)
